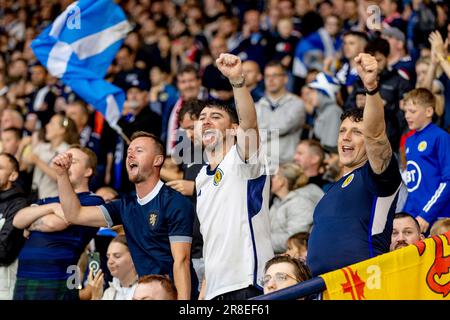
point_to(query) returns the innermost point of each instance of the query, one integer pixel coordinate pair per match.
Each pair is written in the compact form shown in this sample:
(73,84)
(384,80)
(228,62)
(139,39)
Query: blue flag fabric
(79,46)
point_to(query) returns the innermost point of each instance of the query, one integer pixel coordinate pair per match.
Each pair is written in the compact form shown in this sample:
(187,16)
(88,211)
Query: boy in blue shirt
(428,161)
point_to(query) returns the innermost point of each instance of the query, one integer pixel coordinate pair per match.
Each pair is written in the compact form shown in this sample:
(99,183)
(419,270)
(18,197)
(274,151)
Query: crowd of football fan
(298,63)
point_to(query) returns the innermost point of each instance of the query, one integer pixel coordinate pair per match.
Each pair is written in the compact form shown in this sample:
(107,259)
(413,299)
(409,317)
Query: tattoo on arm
(379,153)
(37,225)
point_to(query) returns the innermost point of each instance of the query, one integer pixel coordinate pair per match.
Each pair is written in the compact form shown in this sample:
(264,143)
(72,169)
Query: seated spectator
(297,246)
(155,287)
(282,272)
(441,226)
(405,231)
(293,208)
(121,266)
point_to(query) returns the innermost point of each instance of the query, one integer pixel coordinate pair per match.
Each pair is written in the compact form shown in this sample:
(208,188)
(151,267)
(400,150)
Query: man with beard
(158,221)
(405,231)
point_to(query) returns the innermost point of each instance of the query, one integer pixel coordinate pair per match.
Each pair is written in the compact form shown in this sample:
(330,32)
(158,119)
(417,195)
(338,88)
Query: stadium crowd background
(298,59)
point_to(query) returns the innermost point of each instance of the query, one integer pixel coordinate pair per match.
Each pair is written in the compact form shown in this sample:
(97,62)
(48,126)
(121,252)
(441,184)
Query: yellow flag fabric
(420,271)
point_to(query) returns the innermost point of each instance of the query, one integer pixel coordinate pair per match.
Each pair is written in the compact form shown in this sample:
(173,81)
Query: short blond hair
(421,97)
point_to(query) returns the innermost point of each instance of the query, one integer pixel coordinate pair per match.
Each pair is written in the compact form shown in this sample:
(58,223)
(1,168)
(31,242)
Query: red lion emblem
(440,266)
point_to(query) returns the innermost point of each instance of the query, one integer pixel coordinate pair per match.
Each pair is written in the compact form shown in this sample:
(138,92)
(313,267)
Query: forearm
(437,203)
(374,125)
(182,278)
(378,148)
(245,108)
(46,169)
(69,201)
(26,216)
(48,223)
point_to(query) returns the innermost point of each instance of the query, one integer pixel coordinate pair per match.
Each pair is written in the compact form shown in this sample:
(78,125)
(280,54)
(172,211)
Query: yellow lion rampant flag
(420,271)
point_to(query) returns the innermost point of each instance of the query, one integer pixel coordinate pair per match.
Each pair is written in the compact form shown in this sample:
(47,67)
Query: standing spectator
(192,163)
(121,266)
(218,86)
(327,113)
(54,245)
(391,11)
(189,86)
(256,45)
(354,43)
(253,78)
(309,155)
(163,96)
(279,110)
(97,135)
(405,231)
(428,163)
(235,171)
(136,116)
(42,99)
(398,58)
(310,20)
(349,225)
(313,49)
(60,133)
(292,209)
(12,199)
(128,74)
(164,245)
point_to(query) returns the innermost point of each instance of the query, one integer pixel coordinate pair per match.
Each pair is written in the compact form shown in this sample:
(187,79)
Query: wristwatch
(238,84)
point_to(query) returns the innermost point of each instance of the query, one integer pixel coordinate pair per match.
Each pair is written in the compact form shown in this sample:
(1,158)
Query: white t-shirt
(232,207)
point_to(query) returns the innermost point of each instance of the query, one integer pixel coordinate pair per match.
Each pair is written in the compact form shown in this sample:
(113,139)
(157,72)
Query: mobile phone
(94,262)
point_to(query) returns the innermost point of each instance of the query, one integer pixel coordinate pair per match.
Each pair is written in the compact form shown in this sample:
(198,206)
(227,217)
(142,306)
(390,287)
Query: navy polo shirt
(151,224)
(47,255)
(353,220)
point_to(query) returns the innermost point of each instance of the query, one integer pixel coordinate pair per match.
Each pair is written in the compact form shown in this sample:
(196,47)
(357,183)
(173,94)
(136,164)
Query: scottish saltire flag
(311,51)
(79,47)
(420,271)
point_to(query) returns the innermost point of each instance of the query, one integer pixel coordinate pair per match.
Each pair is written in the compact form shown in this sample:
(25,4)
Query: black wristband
(374,91)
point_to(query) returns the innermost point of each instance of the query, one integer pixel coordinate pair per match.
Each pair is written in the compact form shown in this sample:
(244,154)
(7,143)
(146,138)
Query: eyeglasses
(278,277)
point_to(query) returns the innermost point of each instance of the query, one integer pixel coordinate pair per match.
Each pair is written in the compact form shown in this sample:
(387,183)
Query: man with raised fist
(353,221)
(233,194)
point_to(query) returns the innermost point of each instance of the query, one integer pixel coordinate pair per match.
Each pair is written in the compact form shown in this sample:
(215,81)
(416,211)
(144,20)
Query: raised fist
(367,67)
(62,163)
(230,66)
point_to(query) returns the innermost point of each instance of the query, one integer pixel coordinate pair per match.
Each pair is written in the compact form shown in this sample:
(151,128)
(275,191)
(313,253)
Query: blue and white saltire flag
(79,47)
